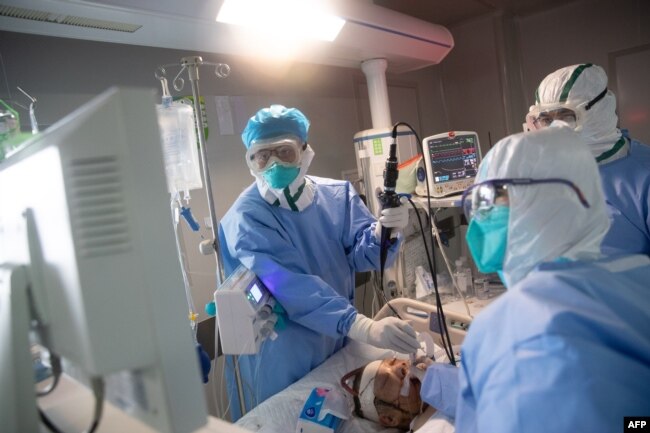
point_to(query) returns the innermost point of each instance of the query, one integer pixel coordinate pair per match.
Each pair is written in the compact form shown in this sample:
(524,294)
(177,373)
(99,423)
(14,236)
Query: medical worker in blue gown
(567,347)
(305,237)
(578,94)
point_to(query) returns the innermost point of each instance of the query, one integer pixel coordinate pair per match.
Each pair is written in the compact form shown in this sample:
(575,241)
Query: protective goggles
(286,150)
(481,197)
(545,118)
(542,115)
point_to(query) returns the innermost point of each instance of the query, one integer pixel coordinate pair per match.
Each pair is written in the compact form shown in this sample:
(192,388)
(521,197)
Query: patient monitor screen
(453,158)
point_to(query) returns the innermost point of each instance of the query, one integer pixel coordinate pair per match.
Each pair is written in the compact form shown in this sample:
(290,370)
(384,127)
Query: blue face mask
(487,238)
(279,176)
(502,277)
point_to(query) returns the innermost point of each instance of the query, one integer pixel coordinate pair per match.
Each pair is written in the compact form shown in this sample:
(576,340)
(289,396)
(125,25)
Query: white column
(375,70)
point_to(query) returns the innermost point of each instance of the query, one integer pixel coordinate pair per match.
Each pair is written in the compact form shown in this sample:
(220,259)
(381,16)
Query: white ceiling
(410,34)
(451,12)
(371,31)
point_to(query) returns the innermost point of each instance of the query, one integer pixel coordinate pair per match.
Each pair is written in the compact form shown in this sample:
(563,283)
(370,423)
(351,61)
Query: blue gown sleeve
(626,184)
(307,299)
(362,246)
(440,388)
(539,387)
(255,237)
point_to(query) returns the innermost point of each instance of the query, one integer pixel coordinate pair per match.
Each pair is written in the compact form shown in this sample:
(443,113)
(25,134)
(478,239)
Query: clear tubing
(444,256)
(175,205)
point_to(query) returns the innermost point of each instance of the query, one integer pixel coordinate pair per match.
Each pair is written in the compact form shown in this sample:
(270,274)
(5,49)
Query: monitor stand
(17,393)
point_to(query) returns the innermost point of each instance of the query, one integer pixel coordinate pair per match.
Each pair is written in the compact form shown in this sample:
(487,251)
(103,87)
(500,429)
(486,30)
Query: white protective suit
(564,346)
(574,87)
(543,206)
(624,163)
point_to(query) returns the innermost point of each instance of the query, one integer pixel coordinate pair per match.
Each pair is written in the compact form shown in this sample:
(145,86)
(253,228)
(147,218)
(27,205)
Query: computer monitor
(451,160)
(87,248)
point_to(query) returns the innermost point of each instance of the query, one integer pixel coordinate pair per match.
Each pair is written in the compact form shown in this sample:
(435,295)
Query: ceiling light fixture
(283,19)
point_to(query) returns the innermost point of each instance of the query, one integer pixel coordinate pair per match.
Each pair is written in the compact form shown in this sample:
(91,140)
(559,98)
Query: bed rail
(424,318)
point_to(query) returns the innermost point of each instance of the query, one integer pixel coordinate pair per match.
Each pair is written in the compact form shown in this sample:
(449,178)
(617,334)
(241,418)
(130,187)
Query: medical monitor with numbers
(451,160)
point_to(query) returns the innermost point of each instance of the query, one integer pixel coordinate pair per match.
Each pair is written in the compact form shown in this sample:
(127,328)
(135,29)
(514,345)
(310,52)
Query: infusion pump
(244,313)
(451,162)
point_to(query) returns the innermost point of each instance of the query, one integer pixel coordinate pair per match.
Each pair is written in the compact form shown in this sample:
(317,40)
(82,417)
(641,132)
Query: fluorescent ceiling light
(283,19)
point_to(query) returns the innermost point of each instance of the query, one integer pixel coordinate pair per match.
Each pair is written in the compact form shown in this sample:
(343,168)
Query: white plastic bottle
(463,276)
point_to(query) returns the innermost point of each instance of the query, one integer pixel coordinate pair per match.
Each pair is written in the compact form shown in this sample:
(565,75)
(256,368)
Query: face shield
(478,200)
(573,114)
(487,208)
(285,150)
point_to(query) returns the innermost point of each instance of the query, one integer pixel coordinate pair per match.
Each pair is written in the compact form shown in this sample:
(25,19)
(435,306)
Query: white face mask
(562,124)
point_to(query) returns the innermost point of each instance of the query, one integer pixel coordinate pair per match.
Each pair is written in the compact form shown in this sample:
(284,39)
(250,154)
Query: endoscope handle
(389,198)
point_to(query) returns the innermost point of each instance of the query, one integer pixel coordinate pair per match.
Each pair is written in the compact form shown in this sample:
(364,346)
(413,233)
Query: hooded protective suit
(565,346)
(624,163)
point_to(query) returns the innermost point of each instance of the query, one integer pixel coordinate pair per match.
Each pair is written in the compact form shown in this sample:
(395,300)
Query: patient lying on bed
(388,391)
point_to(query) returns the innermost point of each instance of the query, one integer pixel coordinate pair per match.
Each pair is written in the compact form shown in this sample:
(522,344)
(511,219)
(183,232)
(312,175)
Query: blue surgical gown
(566,349)
(626,184)
(308,261)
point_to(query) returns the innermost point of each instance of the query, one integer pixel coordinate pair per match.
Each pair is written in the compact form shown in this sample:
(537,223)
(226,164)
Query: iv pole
(222,70)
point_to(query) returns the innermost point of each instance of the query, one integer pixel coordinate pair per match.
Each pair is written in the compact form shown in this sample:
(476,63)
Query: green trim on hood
(572,79)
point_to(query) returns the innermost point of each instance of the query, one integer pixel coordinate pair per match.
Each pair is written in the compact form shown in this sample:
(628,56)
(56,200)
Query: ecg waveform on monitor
(452,158)
(457,154)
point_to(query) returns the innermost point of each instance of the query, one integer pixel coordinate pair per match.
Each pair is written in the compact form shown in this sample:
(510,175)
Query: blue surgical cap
(275,121)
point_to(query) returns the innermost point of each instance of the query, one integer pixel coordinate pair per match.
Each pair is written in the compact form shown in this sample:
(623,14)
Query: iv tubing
(444,256)
(175,205)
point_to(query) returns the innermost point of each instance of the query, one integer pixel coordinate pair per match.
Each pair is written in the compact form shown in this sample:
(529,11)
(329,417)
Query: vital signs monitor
(451,162)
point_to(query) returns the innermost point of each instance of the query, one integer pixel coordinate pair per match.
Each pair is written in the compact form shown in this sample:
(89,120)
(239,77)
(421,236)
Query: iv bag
(180,147)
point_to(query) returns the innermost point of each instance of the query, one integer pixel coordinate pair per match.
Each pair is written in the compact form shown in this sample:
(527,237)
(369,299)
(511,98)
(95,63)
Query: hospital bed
(279,413)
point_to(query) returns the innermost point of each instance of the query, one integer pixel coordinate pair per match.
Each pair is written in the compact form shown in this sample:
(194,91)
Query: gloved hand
(424,362)
(395,218)
(204,362)
(388,333)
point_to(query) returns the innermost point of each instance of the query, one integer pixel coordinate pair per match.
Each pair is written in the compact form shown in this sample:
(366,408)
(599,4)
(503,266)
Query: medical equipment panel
(244,313)
(85,218)
(451,160)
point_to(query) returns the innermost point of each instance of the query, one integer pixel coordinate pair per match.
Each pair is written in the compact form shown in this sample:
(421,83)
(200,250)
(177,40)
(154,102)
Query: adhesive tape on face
(426,344)
(406,385)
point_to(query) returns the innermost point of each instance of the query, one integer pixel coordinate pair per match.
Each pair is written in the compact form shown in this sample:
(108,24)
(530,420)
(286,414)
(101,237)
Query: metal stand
(222,70)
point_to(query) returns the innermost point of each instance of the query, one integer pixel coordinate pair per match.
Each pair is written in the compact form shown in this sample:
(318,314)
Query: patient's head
(377,389)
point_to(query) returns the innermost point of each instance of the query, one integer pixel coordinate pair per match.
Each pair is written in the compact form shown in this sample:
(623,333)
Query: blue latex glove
(204,362)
